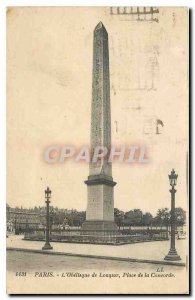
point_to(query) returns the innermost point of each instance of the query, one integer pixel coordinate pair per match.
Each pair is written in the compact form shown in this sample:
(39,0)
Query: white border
(3,5)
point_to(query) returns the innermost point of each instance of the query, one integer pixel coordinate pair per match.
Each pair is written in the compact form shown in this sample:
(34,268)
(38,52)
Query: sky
(49,92)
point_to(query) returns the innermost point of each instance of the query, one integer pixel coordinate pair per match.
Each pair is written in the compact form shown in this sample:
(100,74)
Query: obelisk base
(100,209)
(99,226)
(100,232)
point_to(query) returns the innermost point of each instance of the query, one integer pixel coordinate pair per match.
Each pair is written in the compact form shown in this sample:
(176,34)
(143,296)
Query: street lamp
(15,225)
(47,245)
(51,218)
(26,226)
(172,255)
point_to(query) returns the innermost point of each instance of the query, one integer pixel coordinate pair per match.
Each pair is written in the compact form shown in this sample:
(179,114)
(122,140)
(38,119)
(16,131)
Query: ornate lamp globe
(47,193)
(173,178)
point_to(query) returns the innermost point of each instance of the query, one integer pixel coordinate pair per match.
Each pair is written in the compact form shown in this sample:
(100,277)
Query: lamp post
(51,219)
(47,245)
(15,225)
(172,255)
(26,226)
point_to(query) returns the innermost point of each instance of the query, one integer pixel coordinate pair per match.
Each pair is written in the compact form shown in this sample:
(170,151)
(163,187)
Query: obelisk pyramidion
(100,184)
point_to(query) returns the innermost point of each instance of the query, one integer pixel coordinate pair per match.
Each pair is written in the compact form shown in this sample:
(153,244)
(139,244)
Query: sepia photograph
(97,150)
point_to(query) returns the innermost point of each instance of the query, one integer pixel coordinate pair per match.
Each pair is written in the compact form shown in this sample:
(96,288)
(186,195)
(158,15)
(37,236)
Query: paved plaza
(148,250)
(31,262)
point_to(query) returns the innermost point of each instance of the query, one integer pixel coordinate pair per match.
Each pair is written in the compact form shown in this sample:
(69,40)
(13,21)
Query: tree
(119,217)
(134,217)
(147,219)
(180,216)
(163,217)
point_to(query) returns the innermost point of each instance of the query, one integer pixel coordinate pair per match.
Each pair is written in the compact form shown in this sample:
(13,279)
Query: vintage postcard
(97,150)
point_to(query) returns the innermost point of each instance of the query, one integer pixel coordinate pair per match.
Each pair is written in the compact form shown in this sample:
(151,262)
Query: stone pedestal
(100,226)
(100,198)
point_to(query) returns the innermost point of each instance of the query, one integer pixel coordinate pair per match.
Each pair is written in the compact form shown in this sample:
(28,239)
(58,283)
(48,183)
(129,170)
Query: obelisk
(100,184)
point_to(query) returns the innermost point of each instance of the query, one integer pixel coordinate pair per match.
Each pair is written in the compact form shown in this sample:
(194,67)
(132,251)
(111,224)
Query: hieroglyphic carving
(100,111)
